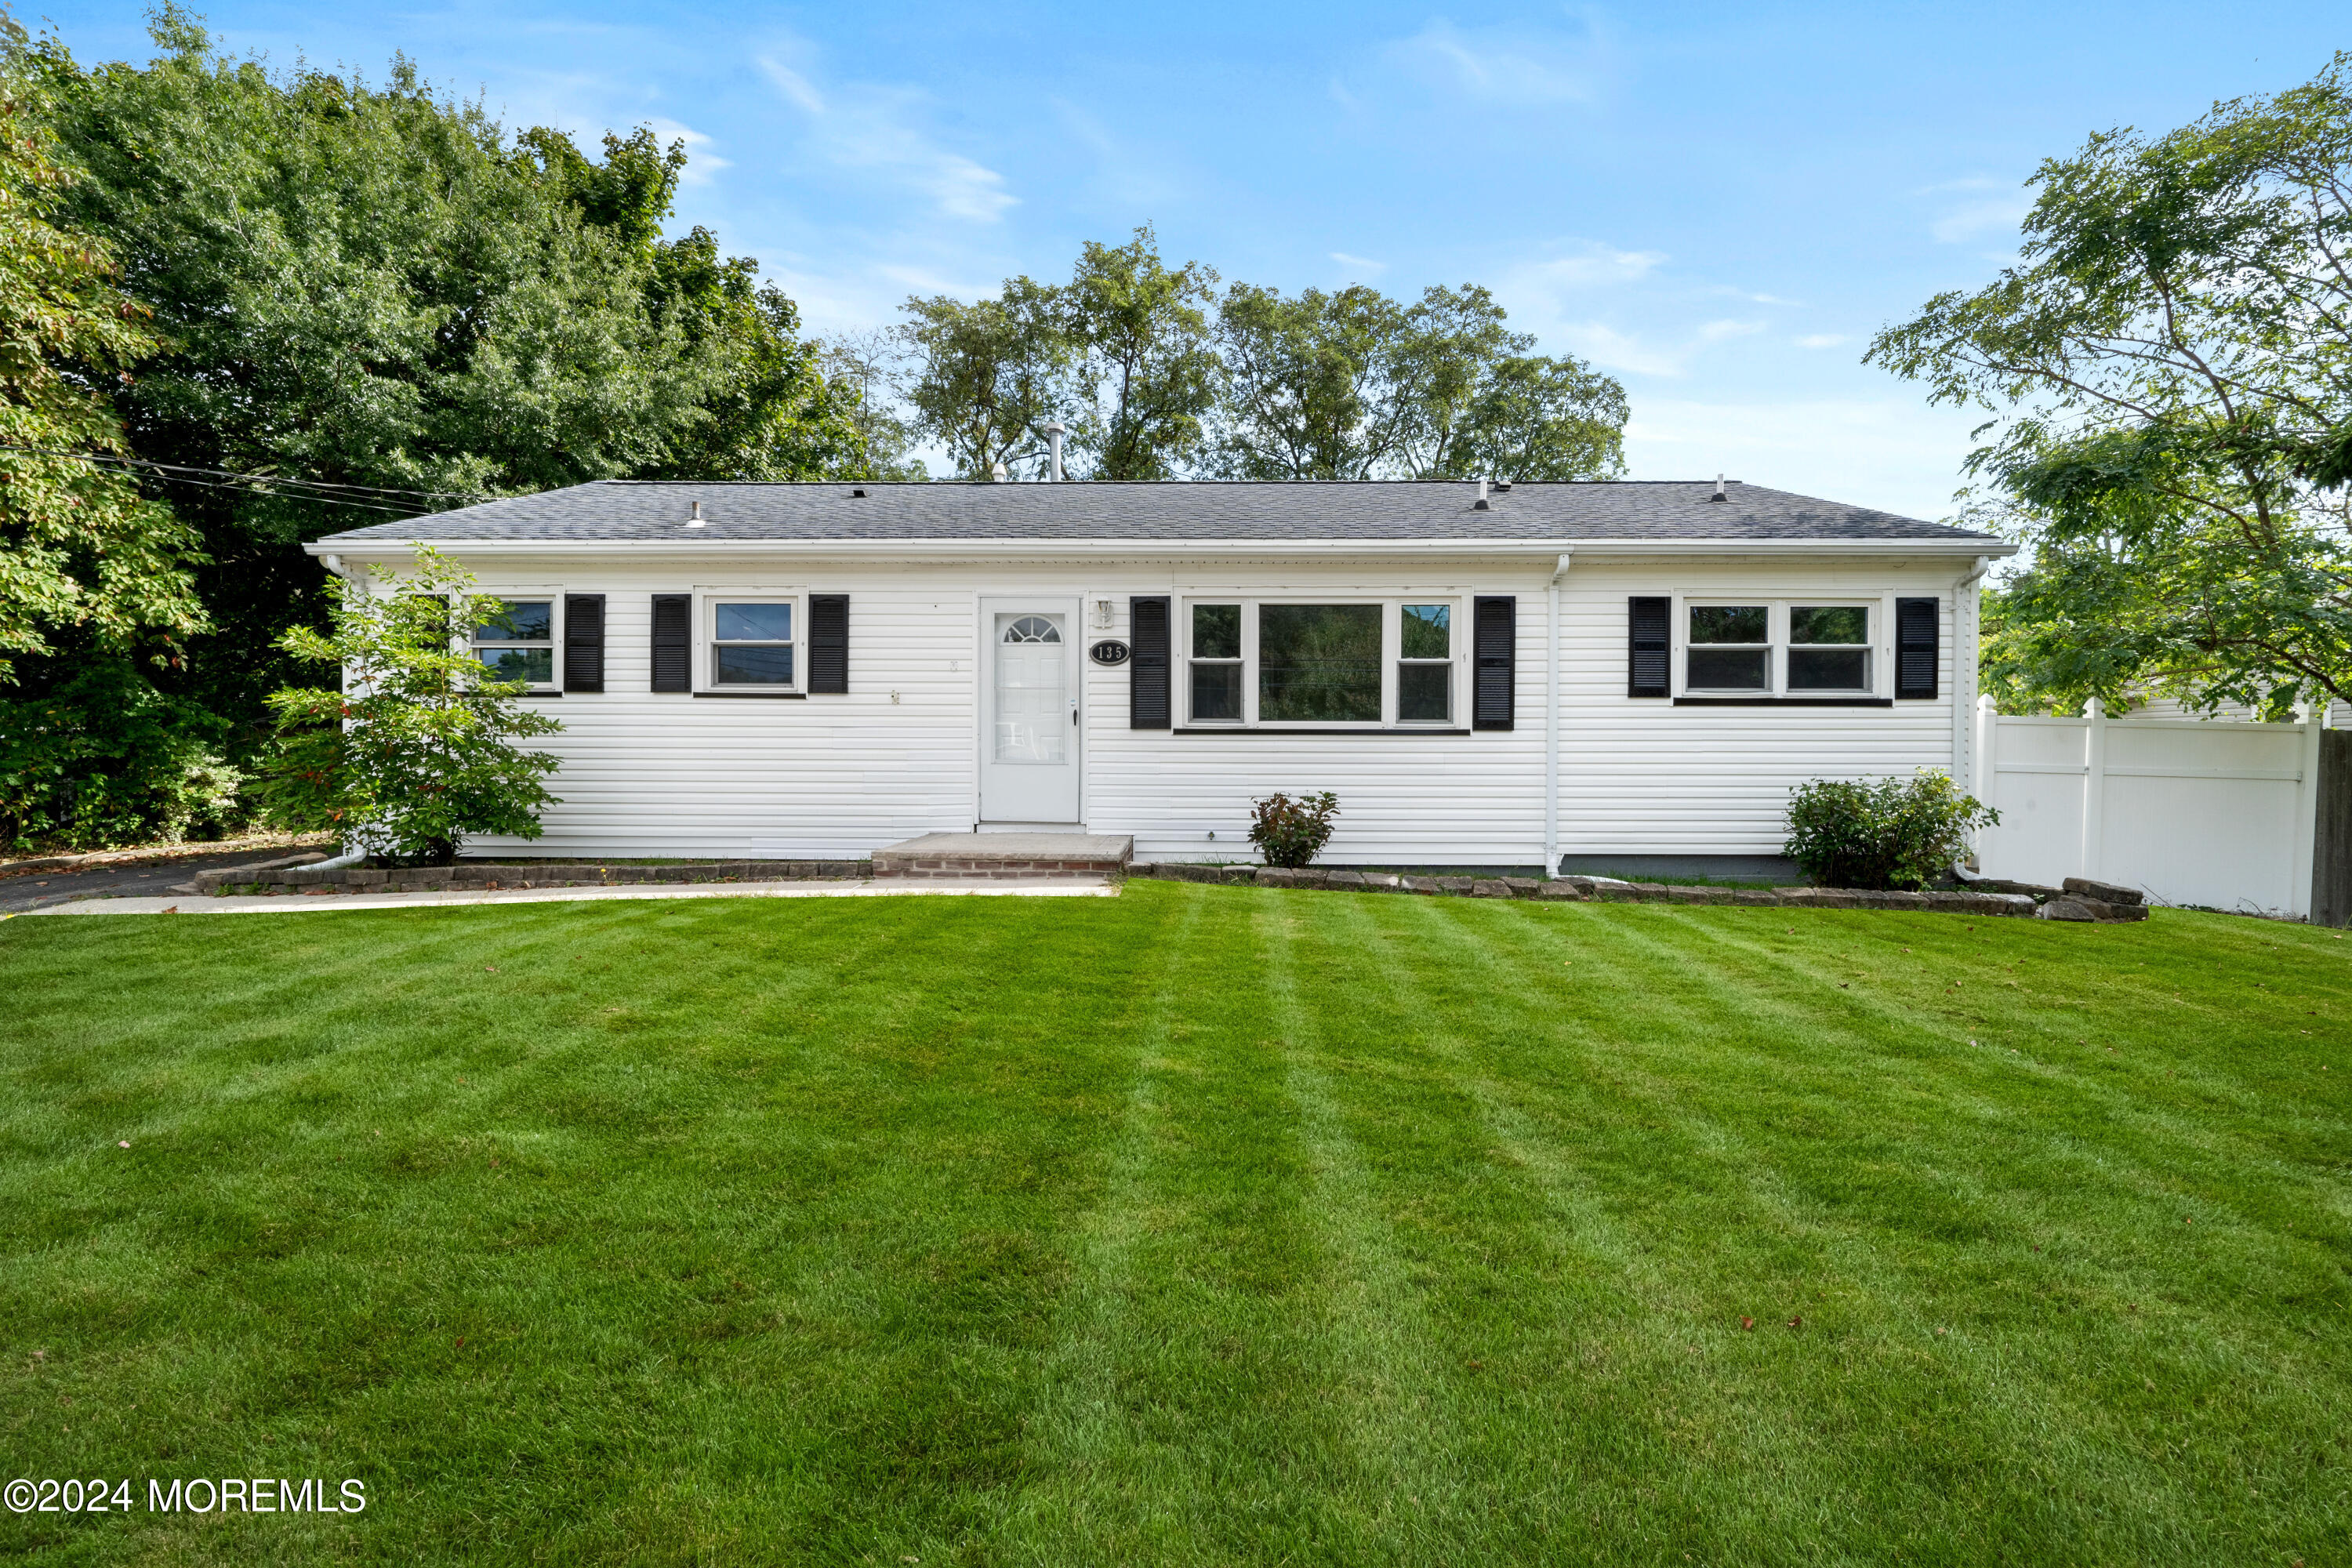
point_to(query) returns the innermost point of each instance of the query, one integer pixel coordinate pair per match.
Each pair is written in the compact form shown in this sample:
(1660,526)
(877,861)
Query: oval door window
(1032,628)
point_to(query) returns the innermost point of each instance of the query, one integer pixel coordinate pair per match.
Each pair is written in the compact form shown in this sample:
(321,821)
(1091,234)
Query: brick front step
(998,856)
(968,866)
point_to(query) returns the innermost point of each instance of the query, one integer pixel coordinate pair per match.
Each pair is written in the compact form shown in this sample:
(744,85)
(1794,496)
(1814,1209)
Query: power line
(167,472)
(323,501)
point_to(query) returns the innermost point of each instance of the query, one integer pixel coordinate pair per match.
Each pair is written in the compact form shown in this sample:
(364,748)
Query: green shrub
(103,760)
(1292,832)
(1882,834)
(415,754)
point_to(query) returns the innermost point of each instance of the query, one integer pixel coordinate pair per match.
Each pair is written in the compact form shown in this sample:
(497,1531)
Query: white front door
(1029,710)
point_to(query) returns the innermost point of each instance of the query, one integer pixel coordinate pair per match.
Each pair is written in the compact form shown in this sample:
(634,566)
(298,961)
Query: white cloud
(1512,67)
(1591,265)
(699,164)
(876,127)
(1612,350)
(1992,206)
(1974,219)
(793,85)
(1896,454)
(1360,265)
(1823,340)
(1641,355)
(853,298)
(1124,177)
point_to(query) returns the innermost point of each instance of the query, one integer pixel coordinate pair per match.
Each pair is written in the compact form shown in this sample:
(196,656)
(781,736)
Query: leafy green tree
(1147,365)
(2169,365)
(416,753)
(865,368)
(1306,383)
(1532,417)
(767,409)
(991,376)
(87,565)
(372,286)
(1354,385)
(100,759)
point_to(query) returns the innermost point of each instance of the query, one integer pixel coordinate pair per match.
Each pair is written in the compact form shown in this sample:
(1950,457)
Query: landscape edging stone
(492,875)
(1971,900)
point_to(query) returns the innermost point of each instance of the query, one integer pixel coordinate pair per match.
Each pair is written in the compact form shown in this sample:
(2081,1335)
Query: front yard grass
(1209,1225)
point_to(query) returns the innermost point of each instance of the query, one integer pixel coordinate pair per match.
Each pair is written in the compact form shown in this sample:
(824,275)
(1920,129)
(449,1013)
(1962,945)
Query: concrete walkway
(1058,888)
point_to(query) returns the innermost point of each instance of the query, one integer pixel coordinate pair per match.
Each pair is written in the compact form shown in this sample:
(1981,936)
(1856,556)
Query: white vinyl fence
(2190,811)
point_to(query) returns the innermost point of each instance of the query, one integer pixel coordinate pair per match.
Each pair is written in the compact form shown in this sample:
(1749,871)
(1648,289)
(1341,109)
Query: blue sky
(1717,203)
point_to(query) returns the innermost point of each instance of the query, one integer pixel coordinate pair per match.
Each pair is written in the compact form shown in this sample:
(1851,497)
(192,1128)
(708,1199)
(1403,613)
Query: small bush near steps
(1882,834)
(1290,833)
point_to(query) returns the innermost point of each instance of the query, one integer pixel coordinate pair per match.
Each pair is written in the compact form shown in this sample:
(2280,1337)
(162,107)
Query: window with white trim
(518,643)
(1730,648)
(1333,662)
(752,643)
(1779,647)
(1828,649)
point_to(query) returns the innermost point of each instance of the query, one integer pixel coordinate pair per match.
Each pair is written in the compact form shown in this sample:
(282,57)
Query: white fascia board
(1132,549)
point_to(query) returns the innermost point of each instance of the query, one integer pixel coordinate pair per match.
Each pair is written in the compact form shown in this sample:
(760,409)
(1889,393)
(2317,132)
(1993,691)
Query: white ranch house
(1608,677)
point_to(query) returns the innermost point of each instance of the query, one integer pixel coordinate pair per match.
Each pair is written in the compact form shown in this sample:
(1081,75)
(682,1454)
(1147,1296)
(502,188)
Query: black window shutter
(584,642)
(1148,682)
(1649,647)
(673,642)
(1915,647)
(1495,642)
(828,642)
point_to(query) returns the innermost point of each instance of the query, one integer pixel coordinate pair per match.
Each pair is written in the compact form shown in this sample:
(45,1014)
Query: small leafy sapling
(1884,834)
(416,753)
(1291,833)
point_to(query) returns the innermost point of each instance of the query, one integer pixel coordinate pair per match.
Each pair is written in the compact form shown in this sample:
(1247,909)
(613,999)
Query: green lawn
(1209,1225)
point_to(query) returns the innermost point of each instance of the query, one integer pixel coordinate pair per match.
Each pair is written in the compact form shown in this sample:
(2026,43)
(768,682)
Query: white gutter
(1059,548)
(1964,678)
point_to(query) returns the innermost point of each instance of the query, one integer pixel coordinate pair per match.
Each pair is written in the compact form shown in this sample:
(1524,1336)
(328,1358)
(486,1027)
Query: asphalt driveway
(32,890)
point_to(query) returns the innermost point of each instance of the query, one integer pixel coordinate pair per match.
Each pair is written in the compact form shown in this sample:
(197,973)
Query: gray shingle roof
(624,510)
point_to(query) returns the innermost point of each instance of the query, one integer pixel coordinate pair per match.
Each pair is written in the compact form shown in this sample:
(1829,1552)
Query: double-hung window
(1730,648)
(518,644)
(753,642)
(1216,664)
(1426,664)
(1331,663)
(1779,649)
(1828,649)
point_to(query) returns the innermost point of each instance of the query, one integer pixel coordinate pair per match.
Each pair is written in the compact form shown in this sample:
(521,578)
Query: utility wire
(323,501)
(164,470)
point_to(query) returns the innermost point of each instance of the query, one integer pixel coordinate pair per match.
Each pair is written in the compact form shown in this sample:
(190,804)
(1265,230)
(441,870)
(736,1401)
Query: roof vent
(858,494)
(1481,503)
(1718,494)
(697,521)
(1501,487)
(998,473)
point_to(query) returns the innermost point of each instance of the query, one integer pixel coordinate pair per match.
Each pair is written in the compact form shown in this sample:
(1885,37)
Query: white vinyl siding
(1647,776)
(838,776)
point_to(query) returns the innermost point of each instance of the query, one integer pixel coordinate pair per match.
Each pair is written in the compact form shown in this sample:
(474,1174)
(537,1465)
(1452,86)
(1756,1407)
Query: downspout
(1551,717)
(1964,675)
(334,563)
